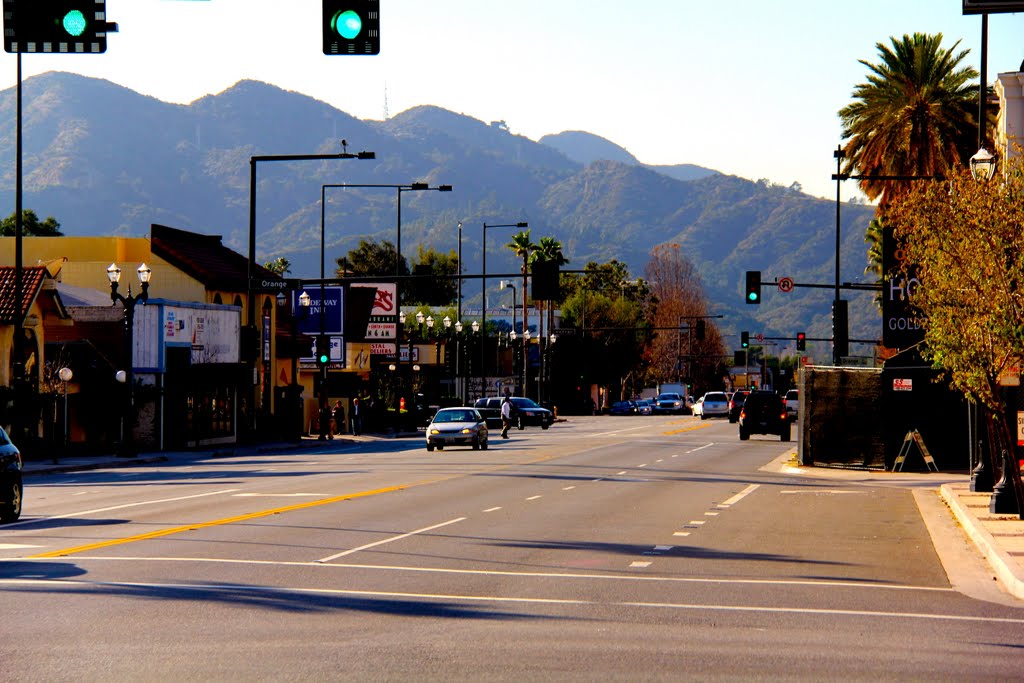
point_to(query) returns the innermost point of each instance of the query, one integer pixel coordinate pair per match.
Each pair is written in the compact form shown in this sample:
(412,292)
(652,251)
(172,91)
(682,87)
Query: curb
(998,559)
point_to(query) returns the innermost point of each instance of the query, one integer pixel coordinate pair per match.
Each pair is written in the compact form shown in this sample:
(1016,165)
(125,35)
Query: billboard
(993,6)
(332,308)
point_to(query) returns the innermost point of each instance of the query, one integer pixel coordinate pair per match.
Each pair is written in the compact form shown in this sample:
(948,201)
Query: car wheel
(703,416)
(440,447)
(483,445)
(10,510)
(545,426)
(522,424)
(430,447)
(785,434)
(744,434)
(476,444)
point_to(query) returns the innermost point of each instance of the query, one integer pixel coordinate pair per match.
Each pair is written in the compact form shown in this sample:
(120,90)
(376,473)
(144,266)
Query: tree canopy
(915,115)
(30,225)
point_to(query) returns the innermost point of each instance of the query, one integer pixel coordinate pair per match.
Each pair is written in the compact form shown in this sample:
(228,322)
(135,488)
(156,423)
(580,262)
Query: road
(612,548)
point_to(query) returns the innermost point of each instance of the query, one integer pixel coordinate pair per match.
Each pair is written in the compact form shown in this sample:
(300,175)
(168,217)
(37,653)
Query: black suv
(764,412)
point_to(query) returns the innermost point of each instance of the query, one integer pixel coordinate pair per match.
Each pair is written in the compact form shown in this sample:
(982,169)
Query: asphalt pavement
(998,537)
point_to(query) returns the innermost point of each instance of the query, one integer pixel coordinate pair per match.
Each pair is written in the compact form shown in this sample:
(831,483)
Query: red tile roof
(31,282)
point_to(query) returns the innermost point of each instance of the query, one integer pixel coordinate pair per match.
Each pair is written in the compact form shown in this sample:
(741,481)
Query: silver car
(712,404)
(457,427)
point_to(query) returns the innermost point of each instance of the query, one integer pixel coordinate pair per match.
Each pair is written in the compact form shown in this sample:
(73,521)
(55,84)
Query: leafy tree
(611,311)
(30,225)
(965,240)
(371,258)
(434,284)
(280,265)
(913,116)
(675,352)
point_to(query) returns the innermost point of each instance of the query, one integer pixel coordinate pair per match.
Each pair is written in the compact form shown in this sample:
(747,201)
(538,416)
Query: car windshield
(668,397)
(455,416)
(524,403)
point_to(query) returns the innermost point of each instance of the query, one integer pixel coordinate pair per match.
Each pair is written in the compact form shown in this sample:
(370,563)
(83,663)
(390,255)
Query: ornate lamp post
(126,448)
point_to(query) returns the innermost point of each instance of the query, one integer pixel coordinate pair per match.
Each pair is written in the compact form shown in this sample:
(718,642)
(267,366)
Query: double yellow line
(218,522)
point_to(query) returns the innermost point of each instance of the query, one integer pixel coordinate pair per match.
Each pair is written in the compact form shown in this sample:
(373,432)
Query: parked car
(735,404)
(457,427)
(792,403)
(670,403)
(623,408)
(11,488)
(526,412)
(644,406)
(712,404)
(764,412)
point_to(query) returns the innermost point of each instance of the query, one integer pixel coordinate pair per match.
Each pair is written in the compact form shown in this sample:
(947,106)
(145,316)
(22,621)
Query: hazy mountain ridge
(106,160)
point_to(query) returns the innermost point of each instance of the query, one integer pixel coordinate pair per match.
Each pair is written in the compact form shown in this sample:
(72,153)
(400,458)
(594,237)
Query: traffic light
(351,27)
(801,341)
(323,351)
(745,339)
(700,330)
(62,26)
(840,330)
(753,287)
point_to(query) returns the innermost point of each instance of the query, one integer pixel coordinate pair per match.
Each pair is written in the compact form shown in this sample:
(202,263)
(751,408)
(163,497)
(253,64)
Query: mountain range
(106,160)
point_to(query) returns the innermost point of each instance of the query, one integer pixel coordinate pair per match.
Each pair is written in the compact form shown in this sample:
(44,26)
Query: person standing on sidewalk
(338,418)
(506,416)
(357,417)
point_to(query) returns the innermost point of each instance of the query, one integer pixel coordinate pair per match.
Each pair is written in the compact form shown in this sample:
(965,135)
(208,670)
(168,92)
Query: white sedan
(457,427)
(712,404)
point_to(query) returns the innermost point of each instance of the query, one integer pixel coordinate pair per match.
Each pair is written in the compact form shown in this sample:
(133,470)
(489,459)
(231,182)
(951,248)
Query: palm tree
(914,116)
(523,247)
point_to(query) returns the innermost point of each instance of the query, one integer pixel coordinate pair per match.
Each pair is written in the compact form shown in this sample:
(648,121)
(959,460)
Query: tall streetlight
(407,187)
(251,337)
(483,279)
(127,375)
(505,284)
(458,309)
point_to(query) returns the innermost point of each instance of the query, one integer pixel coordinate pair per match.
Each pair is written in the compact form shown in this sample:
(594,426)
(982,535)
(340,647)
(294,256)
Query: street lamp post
(506,284)
(127,375)
(408,187)
(483,280)
(250,265)
(458,304)
(65,375)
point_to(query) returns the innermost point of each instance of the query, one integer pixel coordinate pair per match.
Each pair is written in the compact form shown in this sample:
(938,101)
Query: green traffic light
(347,24)
(752,296)
(74,23)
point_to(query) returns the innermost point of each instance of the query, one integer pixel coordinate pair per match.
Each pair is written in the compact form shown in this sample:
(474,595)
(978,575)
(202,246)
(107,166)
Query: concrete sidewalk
(999,538)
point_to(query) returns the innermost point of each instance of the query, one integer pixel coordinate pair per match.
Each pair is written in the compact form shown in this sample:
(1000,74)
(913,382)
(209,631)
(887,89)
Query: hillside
(103,159)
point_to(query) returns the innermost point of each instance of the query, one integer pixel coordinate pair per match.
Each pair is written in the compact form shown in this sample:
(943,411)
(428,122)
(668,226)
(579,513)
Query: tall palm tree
(523,247)
(915,115)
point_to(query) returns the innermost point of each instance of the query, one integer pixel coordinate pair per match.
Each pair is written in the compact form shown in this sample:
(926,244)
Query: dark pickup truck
(525,413)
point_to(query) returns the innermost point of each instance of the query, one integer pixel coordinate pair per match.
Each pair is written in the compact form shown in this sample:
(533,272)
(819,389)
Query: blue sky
(747,87)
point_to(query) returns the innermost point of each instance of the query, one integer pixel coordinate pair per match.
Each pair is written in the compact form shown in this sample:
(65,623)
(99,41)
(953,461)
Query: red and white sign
(786,284)
(903,385)
(1020,429)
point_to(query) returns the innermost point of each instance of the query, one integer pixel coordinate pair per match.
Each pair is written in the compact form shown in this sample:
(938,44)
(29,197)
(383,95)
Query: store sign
(903,385)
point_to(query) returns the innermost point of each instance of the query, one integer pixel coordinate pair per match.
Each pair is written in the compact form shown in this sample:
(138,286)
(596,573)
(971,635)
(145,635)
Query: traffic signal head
(753,288)
(701,330)
(801,341)
(351,27)
(323,351)
(745,339)
(64,26)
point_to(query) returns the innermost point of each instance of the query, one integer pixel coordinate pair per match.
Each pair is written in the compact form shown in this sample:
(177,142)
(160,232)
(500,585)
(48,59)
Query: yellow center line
(218,522)
(688,429)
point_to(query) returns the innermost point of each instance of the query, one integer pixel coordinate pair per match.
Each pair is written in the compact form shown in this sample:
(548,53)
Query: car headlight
(435,430)
(467,430)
